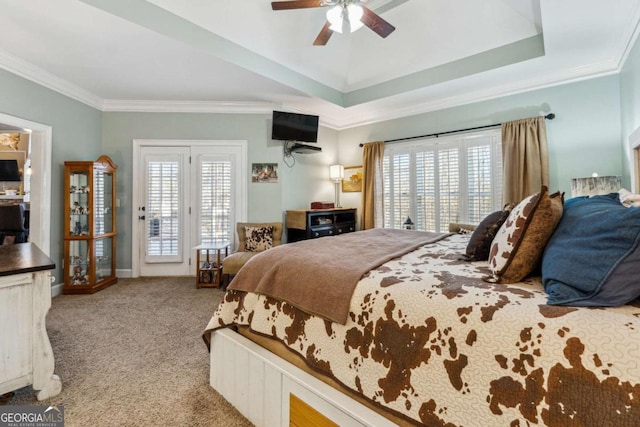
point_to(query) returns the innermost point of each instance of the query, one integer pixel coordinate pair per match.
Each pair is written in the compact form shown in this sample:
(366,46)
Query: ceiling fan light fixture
(342,17)
(335,18)
(355,13)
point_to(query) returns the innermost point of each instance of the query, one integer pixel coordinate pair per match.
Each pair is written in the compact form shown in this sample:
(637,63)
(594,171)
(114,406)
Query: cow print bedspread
(429,340)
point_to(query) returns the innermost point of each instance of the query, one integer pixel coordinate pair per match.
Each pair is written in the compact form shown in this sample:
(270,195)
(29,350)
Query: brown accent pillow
(517,247)
(479,244)
(258,239)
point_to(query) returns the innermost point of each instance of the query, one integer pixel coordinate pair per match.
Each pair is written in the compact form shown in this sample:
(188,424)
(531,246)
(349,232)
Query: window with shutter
(162,210)
(215,204)
(436,182)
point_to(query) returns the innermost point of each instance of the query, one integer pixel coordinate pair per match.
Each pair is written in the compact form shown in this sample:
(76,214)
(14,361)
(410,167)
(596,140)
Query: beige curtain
(371,212)
(525,158)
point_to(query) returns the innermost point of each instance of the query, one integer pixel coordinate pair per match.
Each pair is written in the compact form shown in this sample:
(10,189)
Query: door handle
(141,217)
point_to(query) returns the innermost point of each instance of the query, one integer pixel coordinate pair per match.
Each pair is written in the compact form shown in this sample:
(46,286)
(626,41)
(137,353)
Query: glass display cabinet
(90,225)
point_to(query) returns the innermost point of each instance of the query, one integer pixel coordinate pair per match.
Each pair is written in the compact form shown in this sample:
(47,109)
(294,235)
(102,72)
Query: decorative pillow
(517,247)
(480,242)
(593,258)
(258,239)
(629,199)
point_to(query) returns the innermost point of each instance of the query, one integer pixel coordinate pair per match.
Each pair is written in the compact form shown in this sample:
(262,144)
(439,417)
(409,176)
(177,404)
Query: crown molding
(44,78)
(163,106)
(577,74)
(37,75)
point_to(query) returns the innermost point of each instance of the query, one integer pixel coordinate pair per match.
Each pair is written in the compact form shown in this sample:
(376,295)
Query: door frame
(41,165)
(137,184)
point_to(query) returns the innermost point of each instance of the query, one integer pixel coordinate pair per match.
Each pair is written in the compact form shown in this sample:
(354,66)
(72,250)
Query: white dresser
(26,357)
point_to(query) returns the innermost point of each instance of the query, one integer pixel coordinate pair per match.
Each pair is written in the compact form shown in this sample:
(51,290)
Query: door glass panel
(215,197)
(163,211)
(78,260)
(103,258)
(79,204)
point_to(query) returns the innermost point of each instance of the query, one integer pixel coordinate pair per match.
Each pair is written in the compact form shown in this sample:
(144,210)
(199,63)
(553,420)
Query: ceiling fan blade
(376,23)
(295,4)
(323,36)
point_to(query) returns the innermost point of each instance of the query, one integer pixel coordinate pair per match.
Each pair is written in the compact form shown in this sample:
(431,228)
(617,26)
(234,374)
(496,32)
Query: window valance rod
(549,116)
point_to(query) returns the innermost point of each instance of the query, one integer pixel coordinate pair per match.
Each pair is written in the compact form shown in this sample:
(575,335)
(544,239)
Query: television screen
(9,170)
(294,127)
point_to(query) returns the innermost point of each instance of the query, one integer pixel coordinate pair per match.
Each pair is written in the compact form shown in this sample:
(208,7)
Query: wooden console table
(25,299)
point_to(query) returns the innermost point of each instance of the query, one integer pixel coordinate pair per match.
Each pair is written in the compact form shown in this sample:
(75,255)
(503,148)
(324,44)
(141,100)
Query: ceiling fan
(349,15)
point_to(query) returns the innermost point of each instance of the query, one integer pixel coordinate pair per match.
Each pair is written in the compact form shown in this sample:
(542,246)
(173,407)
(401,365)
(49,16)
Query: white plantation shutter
(425,218)
(397,191)
(216,198)
(482,159)
(162,209)
(436,182)
(449,199)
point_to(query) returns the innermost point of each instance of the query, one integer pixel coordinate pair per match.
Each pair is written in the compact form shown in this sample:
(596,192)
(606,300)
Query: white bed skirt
(258,383)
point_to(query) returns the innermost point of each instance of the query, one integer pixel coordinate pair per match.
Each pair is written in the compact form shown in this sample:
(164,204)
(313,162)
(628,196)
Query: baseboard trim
(56,290)
(124,274)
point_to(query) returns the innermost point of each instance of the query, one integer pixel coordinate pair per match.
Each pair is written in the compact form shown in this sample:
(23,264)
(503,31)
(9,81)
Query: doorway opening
(185,192)
(40,197)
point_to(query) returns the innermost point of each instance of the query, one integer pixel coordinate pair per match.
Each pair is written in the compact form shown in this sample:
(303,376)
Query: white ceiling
(240,56)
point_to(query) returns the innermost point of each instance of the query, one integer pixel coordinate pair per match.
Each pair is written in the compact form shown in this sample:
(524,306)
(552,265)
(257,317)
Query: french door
(191,193)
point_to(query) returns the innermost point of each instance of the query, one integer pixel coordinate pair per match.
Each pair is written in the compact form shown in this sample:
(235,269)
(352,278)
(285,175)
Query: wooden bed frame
(270,391)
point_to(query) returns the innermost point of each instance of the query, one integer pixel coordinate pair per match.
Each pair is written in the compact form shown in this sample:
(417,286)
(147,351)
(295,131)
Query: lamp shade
(349,17)
(355,16)
(334,16)
(336,172)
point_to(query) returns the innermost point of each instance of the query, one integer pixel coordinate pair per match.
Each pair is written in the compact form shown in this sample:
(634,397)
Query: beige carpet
(132,355)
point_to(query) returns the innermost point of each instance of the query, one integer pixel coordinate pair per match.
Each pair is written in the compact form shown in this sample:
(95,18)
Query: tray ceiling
(240,56)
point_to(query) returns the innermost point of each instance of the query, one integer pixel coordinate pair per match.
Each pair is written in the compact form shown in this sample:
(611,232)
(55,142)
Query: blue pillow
(593,257)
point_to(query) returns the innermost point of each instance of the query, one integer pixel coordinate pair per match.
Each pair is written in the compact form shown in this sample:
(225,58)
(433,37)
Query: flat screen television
(9,170)
(294,127)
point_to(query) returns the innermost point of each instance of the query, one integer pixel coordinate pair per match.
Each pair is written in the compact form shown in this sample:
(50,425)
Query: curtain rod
(549,116)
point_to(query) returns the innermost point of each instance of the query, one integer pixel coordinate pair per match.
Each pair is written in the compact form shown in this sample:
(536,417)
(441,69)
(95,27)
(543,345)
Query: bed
(434,338)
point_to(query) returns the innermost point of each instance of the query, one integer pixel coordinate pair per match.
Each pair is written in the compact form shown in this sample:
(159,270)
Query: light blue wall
(77,135)
(630,92)
(584,138)
(305,181)
(593,120)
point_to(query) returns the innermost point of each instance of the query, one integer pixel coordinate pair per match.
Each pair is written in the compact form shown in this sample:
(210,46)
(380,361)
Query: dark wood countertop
(23,258)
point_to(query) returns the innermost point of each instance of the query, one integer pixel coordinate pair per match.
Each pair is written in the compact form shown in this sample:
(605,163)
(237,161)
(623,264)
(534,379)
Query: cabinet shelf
(90,226)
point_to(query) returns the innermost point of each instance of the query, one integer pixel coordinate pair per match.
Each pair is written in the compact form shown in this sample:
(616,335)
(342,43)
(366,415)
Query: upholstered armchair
(234,262)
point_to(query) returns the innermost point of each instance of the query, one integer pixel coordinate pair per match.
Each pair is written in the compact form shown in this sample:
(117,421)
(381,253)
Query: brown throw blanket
(319,276)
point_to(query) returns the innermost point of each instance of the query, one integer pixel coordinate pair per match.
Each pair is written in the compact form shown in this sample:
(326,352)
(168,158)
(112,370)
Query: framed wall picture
(264,172)
(352,179)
